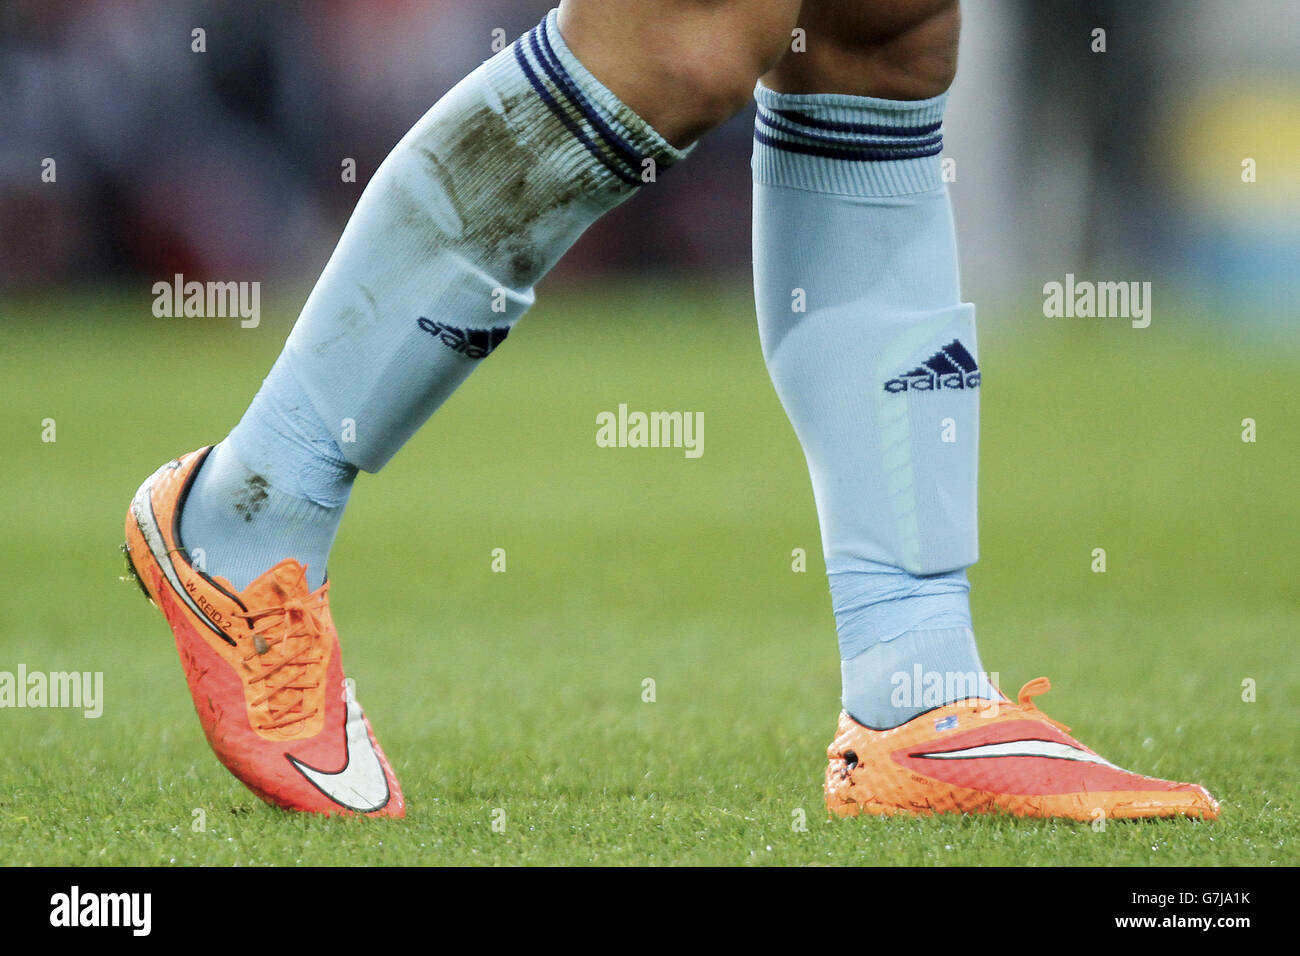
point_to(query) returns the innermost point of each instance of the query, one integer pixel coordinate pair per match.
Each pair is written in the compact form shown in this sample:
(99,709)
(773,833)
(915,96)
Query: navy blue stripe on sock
(836,142)
(875,129)
(830,152)
(560,77)
(562,115)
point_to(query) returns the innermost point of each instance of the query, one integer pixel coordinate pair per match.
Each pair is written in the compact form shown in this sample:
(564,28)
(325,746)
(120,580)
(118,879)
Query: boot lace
(1025,701)
(284,653)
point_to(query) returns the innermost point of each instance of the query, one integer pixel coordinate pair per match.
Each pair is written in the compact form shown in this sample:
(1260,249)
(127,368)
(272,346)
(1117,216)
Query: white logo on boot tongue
(361,785)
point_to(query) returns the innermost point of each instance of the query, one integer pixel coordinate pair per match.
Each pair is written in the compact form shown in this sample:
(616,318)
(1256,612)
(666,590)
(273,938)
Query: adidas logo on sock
(471,343)
(950,367)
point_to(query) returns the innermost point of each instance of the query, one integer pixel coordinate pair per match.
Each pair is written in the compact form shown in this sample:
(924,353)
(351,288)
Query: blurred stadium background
(1121,166)
(227,164)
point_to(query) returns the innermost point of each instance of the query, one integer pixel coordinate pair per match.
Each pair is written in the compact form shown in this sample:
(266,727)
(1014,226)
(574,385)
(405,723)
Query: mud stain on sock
(252,497)
(502,186)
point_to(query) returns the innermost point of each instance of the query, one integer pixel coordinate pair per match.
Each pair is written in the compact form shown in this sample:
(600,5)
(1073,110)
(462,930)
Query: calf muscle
(893,49)
(684,66)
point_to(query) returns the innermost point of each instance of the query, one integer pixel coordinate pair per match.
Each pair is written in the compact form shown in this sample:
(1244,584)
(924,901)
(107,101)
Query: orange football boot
(983,756)
(263,665)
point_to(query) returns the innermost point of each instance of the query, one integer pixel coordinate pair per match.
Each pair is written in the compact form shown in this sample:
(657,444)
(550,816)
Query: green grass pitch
(521,692)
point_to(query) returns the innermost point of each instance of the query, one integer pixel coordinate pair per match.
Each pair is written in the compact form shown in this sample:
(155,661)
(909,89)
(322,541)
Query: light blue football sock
(437,263)
(274,489)
(872,353)
(475,204)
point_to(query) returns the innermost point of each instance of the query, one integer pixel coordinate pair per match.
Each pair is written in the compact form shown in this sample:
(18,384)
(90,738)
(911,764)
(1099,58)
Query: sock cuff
(597,129)
(876,604)
(282,438)
(890,683)
(851,145)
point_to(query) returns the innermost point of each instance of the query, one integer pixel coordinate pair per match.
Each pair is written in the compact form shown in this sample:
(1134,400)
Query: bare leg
(684,66)
(892,49)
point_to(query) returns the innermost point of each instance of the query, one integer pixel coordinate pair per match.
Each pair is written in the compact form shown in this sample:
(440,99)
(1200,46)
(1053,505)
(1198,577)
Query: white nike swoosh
(1021,748)
(362,784)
